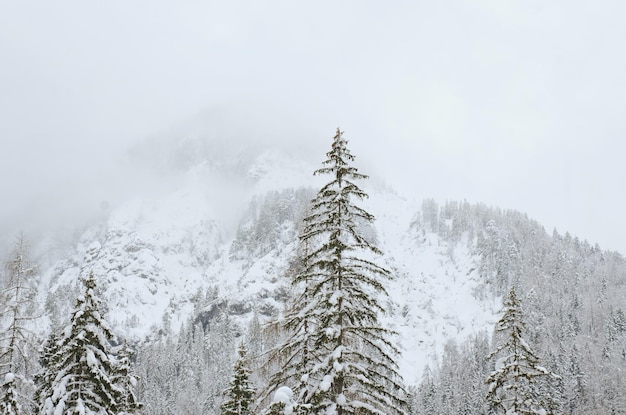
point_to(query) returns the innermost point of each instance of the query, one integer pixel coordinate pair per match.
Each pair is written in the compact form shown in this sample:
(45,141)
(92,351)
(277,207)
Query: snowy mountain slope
(232,224)
(146,256)
(153,255)
(436,292)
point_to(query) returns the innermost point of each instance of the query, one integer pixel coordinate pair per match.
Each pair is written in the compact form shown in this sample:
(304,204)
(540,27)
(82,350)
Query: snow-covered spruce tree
(10,403)
(87,372)
(17,343)
(125,379)
(514,386)
(338,354)
(240,392)
(47,373)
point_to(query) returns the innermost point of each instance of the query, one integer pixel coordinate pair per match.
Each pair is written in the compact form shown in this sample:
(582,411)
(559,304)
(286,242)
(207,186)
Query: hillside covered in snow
(222,238)
(154,255)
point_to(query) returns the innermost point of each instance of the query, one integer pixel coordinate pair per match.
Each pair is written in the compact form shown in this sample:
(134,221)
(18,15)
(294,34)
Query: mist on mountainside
(199,248)
(57,203)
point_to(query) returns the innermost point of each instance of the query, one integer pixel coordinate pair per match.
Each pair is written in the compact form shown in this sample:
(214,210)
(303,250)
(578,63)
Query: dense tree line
(571,294)
(269,220)
(187,371)
(559,346)
(81,368)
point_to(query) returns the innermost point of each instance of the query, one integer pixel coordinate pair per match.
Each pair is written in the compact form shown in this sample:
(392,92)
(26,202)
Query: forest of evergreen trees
(571,295)
(559,346)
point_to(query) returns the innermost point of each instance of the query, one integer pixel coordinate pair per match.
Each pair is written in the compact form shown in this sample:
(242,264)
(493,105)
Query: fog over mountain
(168,147)
(511,104)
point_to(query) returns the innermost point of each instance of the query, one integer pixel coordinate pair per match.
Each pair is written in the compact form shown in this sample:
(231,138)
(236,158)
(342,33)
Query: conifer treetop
(338,161)
(82,372)
(514,385)
(240,392)
(337,354)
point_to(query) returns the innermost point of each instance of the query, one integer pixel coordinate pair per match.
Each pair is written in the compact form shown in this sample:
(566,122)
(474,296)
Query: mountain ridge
(233,232)
(154,255)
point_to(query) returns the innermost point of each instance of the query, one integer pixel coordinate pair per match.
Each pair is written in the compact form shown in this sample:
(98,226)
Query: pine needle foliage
(84,373)
(126,380)
(45,378)
(338,355)
(10,403)
(515,384)
(240,392)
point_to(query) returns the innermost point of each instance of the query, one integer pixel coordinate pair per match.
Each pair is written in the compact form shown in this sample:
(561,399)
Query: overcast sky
(518,104)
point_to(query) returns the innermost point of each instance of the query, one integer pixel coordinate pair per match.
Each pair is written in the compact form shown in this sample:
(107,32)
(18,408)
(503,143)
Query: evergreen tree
(158,370)
(87,373)
(125,379)
(45,377)
(10,403)
(17,342)
(240,393)
(338,352)
(427,394)
(187,372)
(514,386)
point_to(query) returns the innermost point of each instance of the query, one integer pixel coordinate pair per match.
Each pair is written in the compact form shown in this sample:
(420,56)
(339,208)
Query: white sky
(518,104)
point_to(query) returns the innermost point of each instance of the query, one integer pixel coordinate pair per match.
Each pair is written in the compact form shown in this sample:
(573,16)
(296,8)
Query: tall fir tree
(514,387)
(338,354)
(18,344)
(240,392)
(87,374)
